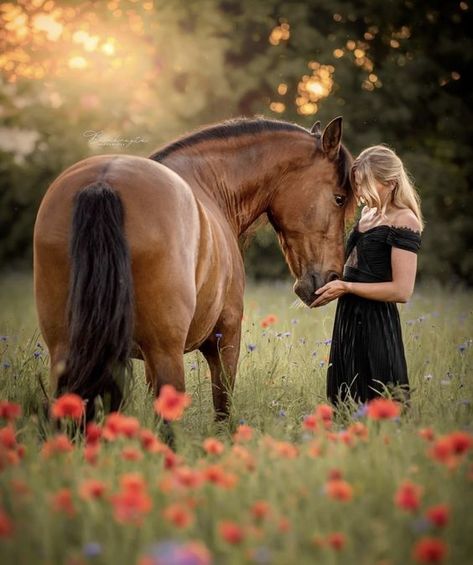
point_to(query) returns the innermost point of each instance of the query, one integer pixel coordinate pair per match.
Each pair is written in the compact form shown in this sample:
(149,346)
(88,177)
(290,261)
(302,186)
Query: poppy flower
(170,403)
(231,532)
(217,475)
(439,515)
(91,453)
(461,442)
(429,550)
(9,410)
(6,525)
(58,444)
(260,509)
(118,425)
(338,489)
(62,502)
(68,406)
(179,515)
(269,320)
(310,423)
(358,429)
(93,433)
(427,433)
(130,506)
(383,409)
(131,453)
(92,489)
(408,496)
(243,433)
(324,413)
(212,446)
(8,437)
(336,540)
(187,477)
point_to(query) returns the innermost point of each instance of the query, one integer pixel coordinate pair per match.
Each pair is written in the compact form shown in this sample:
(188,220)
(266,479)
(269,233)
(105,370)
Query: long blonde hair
(381,163)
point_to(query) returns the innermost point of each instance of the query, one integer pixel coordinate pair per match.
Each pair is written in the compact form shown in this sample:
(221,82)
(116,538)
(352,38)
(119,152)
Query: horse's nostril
(332,276)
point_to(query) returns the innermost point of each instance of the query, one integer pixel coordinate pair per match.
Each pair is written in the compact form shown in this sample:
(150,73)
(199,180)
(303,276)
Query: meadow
(285,481)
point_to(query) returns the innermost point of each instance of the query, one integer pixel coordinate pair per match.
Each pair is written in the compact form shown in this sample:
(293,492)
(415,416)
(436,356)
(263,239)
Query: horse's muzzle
(306,286)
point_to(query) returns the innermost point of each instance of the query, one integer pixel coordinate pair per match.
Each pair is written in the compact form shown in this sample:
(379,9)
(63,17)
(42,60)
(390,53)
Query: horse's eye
(340,200)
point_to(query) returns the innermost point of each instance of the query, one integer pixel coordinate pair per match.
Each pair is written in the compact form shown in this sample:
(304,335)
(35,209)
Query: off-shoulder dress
(367,351)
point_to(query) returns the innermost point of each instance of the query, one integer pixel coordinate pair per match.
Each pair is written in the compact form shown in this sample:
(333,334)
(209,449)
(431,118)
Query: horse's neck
(240,181)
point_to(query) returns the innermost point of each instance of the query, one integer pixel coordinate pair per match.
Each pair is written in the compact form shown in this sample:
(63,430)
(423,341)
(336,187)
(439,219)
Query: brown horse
(138,257)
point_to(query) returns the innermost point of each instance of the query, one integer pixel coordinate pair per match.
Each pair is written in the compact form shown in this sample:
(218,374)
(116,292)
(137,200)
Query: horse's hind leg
(221,351)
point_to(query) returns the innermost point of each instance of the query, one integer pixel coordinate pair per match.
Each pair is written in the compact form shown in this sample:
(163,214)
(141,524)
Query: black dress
(367,352)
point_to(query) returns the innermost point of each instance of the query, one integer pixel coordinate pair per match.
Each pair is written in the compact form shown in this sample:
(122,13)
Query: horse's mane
(229,128)
(246,126)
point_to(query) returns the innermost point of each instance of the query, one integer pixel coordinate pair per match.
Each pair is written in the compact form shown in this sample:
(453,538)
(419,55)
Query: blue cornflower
(37,354)
(251,347)
(92,549)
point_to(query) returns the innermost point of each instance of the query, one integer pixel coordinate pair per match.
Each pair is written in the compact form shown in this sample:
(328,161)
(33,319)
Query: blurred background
(124,76)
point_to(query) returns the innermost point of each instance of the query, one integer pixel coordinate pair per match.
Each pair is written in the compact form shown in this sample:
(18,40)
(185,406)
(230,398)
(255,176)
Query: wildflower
(251,347)
(242,454)
(187,477)
(92,489)
(58,444)
(408,496)
(310,422)
(461,442)
(243,433)
(260,509)
(62,502)
(429,550)
(6,526)
(92,549)
(215,474)
(178,515)
(213,447)
(68,406)
(130,453)
(91,453)
(231,532)
(383,409)
(8,437)
(361,411)
(269,320)
(93,433)
(324,413)
(358,429)
(336,540)
(150,443)
(439,515)
(175,553)
(338,489)
(133,501)
(284,525)
(119,425)
(170,403)
(427,434)
(9,410)
(286,450)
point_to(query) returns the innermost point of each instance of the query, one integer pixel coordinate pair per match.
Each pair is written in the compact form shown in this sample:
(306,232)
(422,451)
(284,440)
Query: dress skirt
(367,353)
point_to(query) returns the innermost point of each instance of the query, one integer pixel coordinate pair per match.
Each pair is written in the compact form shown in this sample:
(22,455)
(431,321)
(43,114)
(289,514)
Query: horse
(139,257)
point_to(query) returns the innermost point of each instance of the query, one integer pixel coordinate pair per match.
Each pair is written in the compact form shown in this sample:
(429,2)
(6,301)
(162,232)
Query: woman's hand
(329,292)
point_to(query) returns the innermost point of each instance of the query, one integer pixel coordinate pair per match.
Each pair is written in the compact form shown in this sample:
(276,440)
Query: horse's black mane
(229,128)
(244,126)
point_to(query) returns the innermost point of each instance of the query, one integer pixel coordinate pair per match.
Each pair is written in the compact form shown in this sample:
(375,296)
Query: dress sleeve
(404,238)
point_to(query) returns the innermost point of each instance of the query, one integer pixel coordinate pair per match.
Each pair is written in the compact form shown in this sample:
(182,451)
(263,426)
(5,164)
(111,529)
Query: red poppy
(260,509)
(408,496)
(131,453)
(336,540)
(461,442)
(62,502)
(243,433)
(131,506)
(339,489)
(383,409)
(231,532)
(58,444)
(9,410)
(429,550)
(310,423)
(91,453)
(212,446)
(8,437)
(170,403)
(6,526)
(93,433)
(68,406)
(439,515)
(269,320)
(92,489)
(427,434)
(179,515)
(324,413)
(119,425)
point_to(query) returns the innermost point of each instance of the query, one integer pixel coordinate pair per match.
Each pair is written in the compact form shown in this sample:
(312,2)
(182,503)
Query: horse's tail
(101,304)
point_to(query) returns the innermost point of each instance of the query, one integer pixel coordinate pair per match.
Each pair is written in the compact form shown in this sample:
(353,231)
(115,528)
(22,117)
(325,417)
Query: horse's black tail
(100,307)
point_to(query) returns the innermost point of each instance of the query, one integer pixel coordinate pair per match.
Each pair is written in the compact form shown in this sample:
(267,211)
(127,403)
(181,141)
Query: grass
(281,379)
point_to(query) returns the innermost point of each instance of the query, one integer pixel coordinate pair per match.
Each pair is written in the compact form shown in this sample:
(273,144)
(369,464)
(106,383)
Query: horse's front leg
(221,351)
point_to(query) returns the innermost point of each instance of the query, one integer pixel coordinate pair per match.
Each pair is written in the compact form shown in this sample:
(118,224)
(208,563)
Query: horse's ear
(331,138)
(315,130)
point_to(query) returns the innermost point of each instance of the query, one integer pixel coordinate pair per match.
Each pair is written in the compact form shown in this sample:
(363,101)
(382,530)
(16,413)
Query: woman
(367,353)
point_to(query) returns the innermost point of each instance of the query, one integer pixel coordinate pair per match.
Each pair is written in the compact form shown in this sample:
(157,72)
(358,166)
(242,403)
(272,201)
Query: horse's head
(309,209)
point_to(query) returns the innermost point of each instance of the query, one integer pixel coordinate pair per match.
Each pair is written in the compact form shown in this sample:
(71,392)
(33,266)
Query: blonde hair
(382,164)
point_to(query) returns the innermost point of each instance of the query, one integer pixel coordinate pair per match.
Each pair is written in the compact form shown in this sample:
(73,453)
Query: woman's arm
(400,289)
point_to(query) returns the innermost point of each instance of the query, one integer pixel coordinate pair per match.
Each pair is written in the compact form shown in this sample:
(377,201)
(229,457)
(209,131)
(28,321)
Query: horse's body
(135,257)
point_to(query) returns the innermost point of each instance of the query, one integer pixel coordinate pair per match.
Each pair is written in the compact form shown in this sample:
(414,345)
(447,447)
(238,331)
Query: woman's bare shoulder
(405,218)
